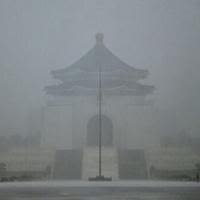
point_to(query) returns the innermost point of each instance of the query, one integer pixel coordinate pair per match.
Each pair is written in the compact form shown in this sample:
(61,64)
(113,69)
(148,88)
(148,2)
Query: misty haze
(99,99)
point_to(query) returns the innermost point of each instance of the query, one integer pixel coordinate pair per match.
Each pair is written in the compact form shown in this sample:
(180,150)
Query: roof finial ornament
(99,38)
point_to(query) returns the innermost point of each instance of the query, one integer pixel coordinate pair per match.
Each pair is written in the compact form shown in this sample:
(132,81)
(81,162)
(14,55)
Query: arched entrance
(93,131)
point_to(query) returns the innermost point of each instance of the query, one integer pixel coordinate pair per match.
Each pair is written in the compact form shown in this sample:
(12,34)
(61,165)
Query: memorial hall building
(71,114)
(100,104)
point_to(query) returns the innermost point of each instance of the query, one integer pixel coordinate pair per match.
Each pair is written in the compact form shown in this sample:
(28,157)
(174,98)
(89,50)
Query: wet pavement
(82,190)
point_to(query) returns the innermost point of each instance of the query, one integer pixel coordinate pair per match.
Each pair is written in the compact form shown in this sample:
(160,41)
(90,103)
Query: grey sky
(37,36)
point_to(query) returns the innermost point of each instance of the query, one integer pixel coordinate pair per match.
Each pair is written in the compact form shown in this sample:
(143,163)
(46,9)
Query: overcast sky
(37,36)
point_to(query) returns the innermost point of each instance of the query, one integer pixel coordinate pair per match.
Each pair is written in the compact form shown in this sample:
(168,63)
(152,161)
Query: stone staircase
(91,160)
(68,164)
(132,164)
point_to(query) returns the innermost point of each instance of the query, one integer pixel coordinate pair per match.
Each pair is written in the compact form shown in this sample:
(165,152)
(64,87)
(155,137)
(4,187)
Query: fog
(159,35)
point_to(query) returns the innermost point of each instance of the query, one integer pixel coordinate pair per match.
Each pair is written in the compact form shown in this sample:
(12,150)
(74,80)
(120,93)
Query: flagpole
(100,124)
(100,177)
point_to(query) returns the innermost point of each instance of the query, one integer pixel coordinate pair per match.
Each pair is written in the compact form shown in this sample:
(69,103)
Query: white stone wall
(172,158)
(66,120)
(57,128)
(27,159)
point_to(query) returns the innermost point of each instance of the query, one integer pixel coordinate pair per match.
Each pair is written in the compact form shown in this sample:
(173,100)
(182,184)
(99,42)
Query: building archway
(93,131)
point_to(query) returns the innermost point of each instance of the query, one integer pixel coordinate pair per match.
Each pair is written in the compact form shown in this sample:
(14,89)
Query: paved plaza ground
(82,190)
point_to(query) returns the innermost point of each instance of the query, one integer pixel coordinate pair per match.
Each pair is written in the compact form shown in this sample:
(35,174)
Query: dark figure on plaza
(197,177)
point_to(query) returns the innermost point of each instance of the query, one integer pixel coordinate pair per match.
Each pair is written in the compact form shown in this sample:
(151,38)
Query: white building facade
(72,110)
